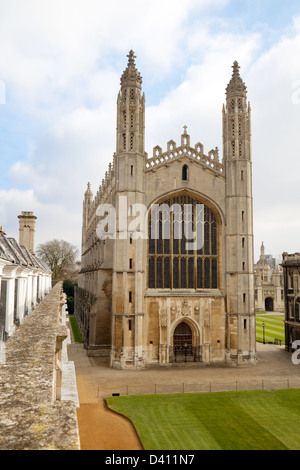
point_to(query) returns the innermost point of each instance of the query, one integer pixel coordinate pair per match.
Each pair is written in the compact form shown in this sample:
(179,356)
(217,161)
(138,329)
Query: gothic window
(131,119)
(240,148)
(185,169)
(124,141)
(131,141)
(132,94)
(174,261)
(233,149)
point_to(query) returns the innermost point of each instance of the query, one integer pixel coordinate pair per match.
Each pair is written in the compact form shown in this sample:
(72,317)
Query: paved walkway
(103,430)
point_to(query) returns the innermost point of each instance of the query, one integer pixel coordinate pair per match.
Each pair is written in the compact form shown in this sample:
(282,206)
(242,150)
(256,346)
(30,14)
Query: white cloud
(61,63)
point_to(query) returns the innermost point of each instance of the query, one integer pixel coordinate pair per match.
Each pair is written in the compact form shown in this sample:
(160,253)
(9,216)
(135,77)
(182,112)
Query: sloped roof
(11,251)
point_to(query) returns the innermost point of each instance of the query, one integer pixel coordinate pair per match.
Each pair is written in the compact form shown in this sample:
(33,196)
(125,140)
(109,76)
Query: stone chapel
(146,296)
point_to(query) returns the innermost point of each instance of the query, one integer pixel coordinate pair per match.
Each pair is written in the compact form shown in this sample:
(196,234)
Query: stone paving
(96,380)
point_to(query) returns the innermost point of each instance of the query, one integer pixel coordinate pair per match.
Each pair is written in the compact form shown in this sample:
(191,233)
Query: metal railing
(103,391)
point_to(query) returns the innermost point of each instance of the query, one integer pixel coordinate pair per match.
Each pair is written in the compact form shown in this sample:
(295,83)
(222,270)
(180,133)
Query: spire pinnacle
(236,84)
(88,192)
(131,75)
(236,69)
(131,58)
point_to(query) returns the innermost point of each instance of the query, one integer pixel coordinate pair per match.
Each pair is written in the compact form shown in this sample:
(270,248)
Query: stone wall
(32,415)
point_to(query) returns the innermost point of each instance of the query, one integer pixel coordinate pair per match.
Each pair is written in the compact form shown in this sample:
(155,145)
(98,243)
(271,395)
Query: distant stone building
(269,295)
(147,295)
(291,275)
(24,279)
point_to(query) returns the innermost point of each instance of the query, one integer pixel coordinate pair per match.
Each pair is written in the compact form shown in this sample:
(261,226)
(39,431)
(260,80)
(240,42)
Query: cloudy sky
(60,68)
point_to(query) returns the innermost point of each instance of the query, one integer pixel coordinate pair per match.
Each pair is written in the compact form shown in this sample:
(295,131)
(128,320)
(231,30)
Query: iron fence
(204,387)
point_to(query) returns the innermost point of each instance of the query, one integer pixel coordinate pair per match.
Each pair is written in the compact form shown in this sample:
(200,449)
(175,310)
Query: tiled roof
(11,251)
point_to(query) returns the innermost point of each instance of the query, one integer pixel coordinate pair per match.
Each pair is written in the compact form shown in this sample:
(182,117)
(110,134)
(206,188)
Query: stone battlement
(33,417)
(196,154)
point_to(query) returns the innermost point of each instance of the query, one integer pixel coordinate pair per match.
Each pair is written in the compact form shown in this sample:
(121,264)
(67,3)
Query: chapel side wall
(93,298)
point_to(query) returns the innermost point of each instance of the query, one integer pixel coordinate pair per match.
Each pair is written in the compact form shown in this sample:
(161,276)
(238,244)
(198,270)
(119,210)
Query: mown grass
(274,327)
(75,329)
(254,420)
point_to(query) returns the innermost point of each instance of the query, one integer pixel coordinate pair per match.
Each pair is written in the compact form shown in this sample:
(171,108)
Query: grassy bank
(75,329)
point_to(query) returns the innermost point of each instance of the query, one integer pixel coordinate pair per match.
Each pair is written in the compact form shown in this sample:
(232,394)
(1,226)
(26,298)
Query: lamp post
(263,325)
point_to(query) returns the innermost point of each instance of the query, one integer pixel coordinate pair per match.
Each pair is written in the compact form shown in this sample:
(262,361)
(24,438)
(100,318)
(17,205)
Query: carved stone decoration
(163,318)
(173,313)
(197,311)
(185,310)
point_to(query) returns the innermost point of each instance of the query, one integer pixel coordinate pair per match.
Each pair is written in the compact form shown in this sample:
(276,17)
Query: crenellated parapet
(184,150)
(102,195)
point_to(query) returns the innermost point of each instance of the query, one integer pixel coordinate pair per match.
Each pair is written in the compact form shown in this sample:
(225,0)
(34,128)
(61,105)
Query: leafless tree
(59,255)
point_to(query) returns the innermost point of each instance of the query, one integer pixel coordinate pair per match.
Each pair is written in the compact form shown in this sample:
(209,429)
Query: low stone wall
(32,415)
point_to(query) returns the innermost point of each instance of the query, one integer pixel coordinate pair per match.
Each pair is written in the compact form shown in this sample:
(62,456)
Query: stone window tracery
(131,141)
(132,93)
(170,264)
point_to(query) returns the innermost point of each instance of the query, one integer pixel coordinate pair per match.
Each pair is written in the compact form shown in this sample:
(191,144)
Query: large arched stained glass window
(182,250)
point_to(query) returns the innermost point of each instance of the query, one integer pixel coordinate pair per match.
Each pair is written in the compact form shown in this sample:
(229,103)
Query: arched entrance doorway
(269,304)
(183,338)
(183,348)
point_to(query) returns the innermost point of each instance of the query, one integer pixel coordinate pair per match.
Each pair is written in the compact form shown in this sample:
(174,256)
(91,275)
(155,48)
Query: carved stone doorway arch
(185,342)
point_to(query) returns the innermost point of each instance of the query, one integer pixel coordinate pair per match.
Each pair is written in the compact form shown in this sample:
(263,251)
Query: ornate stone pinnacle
(236,69)
(131,58)
(184,129)
(236,84)
(131,74)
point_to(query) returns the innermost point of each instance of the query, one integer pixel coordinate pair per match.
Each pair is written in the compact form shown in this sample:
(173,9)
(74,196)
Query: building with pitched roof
(24,279)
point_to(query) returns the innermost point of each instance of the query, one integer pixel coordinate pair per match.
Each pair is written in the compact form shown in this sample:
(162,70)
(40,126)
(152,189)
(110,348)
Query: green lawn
(254,420)
(75,329)
(274,327)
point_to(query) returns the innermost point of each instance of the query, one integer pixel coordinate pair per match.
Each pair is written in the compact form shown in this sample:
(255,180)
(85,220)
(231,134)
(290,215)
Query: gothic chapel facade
(144,299)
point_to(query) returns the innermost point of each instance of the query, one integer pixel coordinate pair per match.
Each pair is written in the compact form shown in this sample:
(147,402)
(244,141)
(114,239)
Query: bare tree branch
(59,255)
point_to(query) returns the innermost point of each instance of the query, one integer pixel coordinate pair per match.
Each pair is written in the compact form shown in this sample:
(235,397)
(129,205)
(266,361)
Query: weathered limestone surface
(31,415)
(145,301)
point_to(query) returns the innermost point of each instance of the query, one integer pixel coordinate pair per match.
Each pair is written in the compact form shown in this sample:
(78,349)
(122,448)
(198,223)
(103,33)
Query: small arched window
(185,170)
